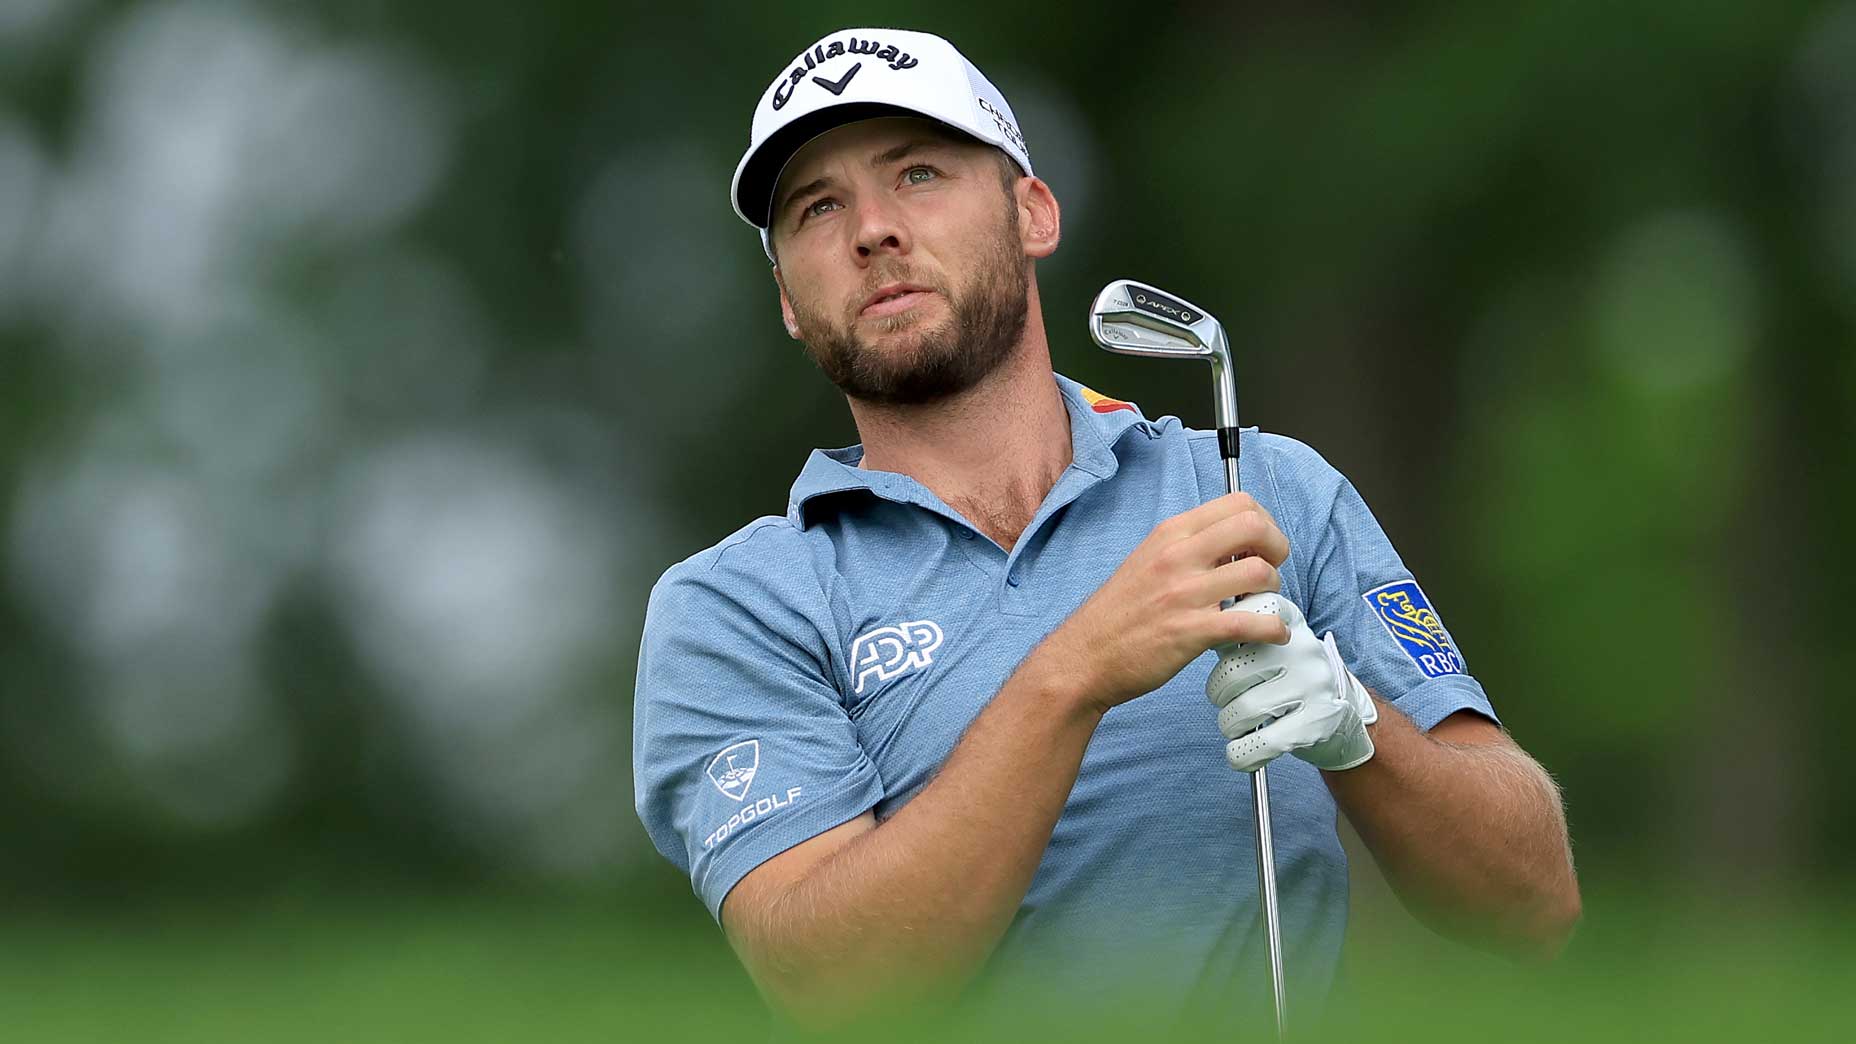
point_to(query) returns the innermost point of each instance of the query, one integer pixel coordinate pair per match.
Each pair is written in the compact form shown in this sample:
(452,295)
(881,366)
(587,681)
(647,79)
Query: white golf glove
(1297,698)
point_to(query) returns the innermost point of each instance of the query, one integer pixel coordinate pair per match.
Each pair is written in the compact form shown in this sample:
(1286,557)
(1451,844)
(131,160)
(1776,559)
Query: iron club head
(1136,319)
(1132,318)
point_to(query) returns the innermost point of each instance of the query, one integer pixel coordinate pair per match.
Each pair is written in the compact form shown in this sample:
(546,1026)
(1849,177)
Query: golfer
(968,720)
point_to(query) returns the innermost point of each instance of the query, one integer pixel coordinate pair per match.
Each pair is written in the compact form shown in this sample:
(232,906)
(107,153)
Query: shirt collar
(1097,424)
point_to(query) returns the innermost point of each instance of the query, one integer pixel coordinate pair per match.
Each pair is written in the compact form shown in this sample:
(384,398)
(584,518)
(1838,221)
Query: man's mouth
(890,300)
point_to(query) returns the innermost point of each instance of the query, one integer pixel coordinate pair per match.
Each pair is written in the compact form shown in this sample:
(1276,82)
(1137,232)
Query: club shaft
(1266,891)
(1117,310)
(1260,807)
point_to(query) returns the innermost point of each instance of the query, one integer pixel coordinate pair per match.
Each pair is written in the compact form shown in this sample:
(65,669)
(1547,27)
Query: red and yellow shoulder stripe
(1102,403)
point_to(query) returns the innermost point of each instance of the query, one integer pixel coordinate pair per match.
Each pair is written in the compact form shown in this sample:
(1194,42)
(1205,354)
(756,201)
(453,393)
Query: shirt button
(1012,579)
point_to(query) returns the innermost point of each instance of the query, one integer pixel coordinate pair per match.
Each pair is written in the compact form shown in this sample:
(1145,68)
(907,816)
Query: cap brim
(760,174)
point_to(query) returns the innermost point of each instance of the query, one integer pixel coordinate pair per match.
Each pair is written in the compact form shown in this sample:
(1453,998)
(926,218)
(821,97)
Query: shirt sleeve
(1353,583)
(741,745)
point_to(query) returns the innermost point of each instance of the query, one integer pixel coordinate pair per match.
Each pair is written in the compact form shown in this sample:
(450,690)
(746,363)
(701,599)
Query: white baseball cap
(860,74)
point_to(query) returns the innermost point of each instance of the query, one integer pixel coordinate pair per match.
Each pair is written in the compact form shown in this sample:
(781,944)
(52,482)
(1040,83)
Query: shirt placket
(1016,590)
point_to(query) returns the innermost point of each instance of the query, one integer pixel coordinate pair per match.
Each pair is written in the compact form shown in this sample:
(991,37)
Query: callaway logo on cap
(858,74)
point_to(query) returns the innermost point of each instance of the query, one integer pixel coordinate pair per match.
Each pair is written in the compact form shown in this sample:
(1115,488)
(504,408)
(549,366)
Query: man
(948,715)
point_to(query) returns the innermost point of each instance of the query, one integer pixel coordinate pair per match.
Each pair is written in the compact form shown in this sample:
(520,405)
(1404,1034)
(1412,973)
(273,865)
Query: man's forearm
(910,909)
(1470,834)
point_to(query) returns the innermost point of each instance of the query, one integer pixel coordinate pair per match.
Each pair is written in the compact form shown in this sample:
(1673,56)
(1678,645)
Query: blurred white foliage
(1677,303)
(211,135)
(139,567)
(1825,71)
(1064,151)
(479,590)
(212,144)
(203,738)
(664,266)
(406,331)
(22,178)
(28,23)
(125,556)
(243,399)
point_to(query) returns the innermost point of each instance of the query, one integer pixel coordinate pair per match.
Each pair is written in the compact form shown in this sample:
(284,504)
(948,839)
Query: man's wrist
(1050,672)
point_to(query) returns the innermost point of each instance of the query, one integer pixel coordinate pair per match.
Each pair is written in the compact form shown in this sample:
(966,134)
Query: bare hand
(1160,609)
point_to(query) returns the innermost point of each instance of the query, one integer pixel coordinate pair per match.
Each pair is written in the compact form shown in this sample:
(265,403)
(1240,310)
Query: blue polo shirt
(814,666)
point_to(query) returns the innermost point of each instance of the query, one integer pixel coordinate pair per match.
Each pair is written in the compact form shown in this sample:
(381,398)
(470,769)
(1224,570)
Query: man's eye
(813,207)
(909,175)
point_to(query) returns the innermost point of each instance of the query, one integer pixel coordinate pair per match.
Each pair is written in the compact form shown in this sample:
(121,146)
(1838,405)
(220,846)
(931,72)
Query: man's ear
(786,307)
(1040,220)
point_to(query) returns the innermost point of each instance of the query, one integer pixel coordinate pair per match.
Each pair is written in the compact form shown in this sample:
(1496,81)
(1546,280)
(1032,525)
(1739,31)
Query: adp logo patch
(1410,620)
(898,649)
(733,769)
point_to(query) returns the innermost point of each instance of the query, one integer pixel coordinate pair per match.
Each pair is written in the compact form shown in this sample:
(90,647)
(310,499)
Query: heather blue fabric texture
(847,645)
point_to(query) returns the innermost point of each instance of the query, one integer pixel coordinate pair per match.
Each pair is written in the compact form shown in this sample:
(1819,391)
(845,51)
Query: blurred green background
(362,364)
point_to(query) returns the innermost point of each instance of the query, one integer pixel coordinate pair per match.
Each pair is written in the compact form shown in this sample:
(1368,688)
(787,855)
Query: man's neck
(993,452)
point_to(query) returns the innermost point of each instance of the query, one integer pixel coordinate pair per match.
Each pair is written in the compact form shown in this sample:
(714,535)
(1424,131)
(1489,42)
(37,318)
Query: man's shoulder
(1290,478)
(1285,458)
(764,560)
(759,536)
(1292,462)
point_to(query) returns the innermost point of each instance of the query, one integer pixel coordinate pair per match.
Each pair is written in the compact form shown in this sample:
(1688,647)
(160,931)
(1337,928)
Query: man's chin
(903,336)
(915,378)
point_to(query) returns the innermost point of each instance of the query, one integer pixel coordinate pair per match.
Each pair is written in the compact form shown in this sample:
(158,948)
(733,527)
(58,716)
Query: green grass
(418,970)
(552,969)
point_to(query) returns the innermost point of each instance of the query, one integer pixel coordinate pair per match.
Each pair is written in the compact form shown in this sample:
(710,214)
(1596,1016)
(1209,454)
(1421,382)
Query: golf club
(1133,318)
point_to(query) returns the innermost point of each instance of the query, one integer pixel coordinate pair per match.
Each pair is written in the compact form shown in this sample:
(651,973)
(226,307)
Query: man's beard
(988,320)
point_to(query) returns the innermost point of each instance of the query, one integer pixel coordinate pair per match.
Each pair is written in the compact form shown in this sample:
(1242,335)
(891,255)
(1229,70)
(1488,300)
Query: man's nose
(880,227)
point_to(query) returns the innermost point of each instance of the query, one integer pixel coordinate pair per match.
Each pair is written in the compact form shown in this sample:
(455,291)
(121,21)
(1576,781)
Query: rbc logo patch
(1410,620)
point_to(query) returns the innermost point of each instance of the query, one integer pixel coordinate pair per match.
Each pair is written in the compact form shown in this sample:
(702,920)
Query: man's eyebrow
(883,158)
(797,194)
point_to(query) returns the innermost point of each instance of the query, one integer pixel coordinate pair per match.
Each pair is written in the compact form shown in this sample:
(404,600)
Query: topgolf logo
(733,769)
(889,651)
